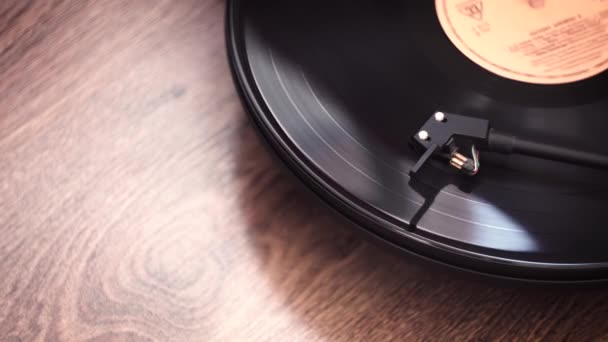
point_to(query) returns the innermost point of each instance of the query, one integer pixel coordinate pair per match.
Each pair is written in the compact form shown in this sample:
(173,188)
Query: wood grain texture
(137,204)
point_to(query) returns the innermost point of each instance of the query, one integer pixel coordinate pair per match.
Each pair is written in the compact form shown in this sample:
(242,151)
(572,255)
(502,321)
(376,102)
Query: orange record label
(534,41)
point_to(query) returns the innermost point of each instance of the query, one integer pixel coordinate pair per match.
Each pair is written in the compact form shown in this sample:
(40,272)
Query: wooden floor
(137,204)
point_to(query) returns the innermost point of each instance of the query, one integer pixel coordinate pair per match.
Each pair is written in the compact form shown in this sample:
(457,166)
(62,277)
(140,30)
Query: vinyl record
(338,89)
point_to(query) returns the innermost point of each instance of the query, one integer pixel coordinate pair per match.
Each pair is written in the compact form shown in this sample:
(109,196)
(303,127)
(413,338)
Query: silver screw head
(423,135)
(439,116)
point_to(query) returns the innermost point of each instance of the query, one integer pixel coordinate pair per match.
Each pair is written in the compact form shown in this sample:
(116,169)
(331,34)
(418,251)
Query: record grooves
(337,91)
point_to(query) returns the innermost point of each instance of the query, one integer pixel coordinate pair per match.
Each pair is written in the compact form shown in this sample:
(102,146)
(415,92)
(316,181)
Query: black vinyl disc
(338,89)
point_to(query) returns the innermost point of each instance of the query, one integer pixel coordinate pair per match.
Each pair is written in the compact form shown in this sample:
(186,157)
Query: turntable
(470,132)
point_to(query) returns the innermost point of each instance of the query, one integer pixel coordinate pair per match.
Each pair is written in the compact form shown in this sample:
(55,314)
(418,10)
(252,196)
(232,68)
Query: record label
(533,41)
